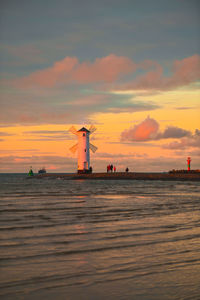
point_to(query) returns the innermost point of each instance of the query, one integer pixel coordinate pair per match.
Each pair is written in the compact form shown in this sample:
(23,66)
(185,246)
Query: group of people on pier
(111,168)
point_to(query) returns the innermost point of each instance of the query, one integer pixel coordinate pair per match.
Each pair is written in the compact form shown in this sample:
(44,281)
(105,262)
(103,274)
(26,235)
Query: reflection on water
(99,239)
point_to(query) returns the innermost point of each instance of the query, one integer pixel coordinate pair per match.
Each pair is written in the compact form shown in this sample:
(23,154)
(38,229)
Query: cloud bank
(184,72)
(110,69)
(71,91)
(186,142)
(70,71)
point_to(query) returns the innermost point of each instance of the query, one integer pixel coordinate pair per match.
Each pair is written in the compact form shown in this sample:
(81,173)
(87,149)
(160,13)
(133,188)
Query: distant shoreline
(122,176)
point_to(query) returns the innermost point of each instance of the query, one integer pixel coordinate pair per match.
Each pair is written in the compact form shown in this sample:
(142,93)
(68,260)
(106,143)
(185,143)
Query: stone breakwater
(122,176)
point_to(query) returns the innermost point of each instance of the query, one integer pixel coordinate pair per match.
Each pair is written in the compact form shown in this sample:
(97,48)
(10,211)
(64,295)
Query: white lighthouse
(83,147)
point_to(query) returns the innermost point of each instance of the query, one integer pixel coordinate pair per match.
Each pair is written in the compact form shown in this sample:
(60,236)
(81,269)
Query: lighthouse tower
(83,147)
(188,163)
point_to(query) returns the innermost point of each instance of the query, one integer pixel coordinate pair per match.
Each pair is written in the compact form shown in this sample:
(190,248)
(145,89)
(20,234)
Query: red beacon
(188,163)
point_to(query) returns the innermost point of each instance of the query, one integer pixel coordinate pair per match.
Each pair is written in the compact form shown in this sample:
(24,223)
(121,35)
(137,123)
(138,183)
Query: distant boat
(42,171)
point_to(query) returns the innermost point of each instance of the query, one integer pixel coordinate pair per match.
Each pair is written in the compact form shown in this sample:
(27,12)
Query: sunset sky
(130,67)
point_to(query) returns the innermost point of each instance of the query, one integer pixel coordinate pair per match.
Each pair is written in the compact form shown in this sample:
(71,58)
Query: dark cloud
(173,132)
(134,107)
(191,141)
(165,28)
(70,106)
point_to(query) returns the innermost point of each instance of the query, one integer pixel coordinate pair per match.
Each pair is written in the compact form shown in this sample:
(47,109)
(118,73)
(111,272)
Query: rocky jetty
(192,176)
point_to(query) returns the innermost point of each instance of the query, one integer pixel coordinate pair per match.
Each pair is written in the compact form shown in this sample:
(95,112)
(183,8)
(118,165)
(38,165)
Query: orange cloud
(69,70)
(186,142)
(184,72)
(106,69)
(141,132)
(51,76)
(148,130)
(110,68)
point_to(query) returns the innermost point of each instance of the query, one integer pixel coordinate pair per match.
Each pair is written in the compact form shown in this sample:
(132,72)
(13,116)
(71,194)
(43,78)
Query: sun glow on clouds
(109,69)
(119,109)
(130,70)
(142,132)
(148,130)
(52,141)
(70,70)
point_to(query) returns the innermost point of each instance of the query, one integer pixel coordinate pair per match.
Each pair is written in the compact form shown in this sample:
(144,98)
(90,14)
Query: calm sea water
(99,239)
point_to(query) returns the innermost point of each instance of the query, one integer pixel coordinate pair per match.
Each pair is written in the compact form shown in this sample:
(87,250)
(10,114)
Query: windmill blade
(92,129)
(73,130)
(73,148)
(93,148)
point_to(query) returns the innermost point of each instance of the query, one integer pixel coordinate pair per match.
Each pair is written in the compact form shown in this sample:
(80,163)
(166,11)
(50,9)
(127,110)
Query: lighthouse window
(83,134)
(85,150)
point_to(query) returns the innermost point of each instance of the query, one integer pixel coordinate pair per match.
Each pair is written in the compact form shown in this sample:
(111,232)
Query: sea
(99,239)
